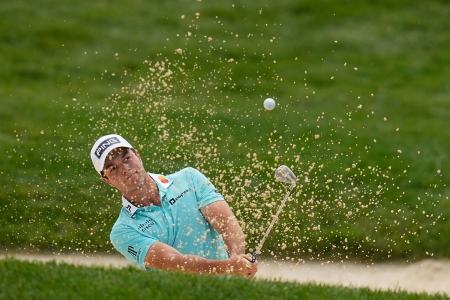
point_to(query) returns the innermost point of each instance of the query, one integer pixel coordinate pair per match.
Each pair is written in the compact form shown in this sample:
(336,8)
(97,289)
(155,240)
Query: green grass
(73,70)
(33,280)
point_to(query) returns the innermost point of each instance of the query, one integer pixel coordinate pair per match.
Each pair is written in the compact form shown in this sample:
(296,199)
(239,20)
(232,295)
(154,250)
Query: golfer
(176,222)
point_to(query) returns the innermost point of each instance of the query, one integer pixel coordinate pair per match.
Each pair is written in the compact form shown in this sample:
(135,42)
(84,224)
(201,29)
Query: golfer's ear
(137,154)
(105,179)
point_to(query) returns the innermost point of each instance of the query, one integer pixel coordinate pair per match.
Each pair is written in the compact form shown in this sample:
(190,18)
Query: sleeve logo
(132,251)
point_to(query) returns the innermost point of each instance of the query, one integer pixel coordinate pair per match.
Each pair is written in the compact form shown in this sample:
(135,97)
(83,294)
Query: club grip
(254,256)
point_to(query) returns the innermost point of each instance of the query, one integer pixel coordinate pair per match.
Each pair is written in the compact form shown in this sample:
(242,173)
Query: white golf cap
(103,146)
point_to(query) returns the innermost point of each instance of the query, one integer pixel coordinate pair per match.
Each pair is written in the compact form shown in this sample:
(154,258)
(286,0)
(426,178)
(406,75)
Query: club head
(285,174)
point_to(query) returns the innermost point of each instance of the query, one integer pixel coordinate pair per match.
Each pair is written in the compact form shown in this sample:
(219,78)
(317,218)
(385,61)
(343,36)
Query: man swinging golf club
(176,222)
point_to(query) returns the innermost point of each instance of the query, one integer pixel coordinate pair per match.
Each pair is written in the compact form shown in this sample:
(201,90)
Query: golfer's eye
(126,158)
(112,168)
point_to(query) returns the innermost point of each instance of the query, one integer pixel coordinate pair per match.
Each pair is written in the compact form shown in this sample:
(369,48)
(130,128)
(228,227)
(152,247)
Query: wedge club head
(283,173)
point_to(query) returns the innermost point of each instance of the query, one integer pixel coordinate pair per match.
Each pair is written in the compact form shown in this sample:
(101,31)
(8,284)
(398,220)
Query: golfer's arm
(164,257)
(220,216)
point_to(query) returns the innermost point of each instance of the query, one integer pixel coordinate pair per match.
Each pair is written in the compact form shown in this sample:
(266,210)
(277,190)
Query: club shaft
(274,219)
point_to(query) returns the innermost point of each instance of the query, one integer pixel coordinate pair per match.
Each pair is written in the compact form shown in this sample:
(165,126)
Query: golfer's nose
(125,168)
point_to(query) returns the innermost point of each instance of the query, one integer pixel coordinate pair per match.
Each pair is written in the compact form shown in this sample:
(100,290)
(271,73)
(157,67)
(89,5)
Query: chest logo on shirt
(174,200)
(146,225)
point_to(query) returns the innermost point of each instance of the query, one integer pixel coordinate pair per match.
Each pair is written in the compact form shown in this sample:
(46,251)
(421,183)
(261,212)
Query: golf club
(283,173)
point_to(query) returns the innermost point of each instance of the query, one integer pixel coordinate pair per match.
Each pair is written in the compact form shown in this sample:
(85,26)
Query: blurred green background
(362,116)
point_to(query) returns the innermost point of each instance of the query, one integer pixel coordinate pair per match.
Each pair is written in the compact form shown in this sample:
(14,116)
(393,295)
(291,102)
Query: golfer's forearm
(234,239)
(194,264)
(220,216)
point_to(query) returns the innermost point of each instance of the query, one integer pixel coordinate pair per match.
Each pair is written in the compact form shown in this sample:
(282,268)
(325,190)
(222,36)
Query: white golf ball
(269,104)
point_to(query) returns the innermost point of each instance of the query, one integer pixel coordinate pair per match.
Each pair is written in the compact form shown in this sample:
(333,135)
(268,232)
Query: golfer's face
(124,170)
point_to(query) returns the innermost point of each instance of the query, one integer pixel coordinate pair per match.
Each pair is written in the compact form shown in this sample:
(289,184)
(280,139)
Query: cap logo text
(105,145)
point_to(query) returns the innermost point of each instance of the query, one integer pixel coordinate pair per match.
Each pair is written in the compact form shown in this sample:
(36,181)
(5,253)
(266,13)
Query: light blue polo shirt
(177,223)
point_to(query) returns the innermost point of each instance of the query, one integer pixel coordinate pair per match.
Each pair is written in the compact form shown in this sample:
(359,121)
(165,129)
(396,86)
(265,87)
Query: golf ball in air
(269,104)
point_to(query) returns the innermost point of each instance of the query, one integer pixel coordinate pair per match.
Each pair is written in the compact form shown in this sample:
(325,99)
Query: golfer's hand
(240,265)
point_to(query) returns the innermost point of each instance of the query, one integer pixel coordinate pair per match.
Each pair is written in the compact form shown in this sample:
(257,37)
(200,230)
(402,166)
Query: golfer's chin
(131,185)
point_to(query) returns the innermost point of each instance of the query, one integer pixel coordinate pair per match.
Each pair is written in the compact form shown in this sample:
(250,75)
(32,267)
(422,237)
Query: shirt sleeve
(131,244)
(205,191)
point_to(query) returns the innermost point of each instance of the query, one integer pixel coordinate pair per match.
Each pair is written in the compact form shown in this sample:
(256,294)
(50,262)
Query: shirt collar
(161,181)
(129,207)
